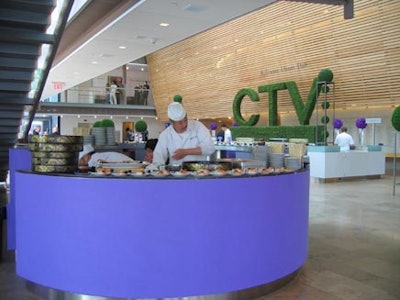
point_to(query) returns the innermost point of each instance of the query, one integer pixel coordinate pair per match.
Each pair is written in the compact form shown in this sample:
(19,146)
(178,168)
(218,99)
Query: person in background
(220,136)
(344,140)
(113,92)
(37,130)
(108,93)
(138,137)
(184,140)
(128,134)
(89,158)
(55,130)
(149,147)
(227,134)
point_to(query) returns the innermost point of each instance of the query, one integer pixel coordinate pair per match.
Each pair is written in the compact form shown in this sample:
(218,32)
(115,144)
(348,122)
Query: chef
(184,140)
(88,157)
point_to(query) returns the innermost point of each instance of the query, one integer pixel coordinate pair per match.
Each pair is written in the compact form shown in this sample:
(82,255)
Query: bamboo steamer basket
(55,153)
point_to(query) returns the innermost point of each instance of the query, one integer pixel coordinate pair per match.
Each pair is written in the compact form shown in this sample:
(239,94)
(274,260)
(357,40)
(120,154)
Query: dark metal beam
(348,5)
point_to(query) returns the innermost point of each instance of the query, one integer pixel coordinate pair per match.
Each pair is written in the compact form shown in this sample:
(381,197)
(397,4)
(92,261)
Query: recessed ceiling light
(94,62)
(164,24)
(106,55)
(122,47)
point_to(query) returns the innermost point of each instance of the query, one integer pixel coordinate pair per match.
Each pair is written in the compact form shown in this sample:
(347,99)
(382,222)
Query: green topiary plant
(236,107)
(325,120)
(272,90)
(324,89)
(97,124)
(141,126)
(107,123)
(325,105)
(325,75)
(396,118)
(178,98)
(303,131)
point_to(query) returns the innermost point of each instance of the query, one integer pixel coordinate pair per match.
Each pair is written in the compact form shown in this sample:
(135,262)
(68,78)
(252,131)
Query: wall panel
(281,42)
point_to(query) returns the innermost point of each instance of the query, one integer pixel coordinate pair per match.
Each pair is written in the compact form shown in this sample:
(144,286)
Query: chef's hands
(181,153)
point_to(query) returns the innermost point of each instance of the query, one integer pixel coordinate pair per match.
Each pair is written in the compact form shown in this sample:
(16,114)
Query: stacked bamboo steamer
(55,153)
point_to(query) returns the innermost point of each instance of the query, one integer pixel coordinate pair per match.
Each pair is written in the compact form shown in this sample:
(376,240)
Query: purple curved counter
(160,238)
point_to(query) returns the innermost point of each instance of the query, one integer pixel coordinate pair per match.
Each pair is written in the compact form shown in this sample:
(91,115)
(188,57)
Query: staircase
(23,25)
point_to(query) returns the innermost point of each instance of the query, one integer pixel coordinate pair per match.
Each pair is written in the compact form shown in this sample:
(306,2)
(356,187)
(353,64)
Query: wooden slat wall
(281,42)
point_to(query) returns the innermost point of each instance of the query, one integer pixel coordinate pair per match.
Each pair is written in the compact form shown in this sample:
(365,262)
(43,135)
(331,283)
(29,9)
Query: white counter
(346,164)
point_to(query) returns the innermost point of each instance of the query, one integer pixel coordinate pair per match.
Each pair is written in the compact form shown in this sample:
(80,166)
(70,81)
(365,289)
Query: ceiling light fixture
(164,24)
(122,47)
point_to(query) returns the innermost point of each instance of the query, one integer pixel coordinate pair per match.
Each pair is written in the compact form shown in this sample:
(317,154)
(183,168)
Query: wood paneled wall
(282,42)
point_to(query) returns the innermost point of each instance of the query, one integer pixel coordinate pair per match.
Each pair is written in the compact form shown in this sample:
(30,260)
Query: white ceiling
(139,30)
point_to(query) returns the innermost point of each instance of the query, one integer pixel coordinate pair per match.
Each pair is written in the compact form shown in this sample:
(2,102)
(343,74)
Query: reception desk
(160,237)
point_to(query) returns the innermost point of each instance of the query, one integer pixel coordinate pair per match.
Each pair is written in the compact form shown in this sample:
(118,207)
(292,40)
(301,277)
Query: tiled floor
(354,248)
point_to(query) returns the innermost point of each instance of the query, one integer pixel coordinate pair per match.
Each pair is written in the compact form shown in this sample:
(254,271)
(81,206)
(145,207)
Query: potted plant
(109,126)
(99,133)
(141,127)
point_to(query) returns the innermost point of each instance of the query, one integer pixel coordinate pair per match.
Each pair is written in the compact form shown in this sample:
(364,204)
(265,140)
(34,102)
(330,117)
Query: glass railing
(102,95)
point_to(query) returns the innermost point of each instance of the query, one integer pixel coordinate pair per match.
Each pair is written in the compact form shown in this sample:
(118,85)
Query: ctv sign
(303,110)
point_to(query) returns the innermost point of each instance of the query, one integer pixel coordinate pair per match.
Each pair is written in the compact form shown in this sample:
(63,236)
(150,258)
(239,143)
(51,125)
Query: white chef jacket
(196,135)
(227,136)
(344,140)
(111,157)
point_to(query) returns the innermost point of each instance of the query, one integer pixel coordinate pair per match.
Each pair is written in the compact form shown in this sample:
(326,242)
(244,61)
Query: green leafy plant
(325,105)
(97,124)
(396,118)
(325,120)
(325,75)
(178,98)
(325,89)
(141,126)
(107,123)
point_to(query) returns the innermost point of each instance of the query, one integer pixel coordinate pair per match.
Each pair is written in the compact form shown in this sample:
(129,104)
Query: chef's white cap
(176,112)
(88,148)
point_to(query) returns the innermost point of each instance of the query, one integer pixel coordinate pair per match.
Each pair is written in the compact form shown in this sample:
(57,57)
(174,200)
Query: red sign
(58,86)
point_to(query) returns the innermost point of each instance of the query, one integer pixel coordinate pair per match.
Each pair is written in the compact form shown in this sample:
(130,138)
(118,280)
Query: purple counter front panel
(150,238)
(20,159)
